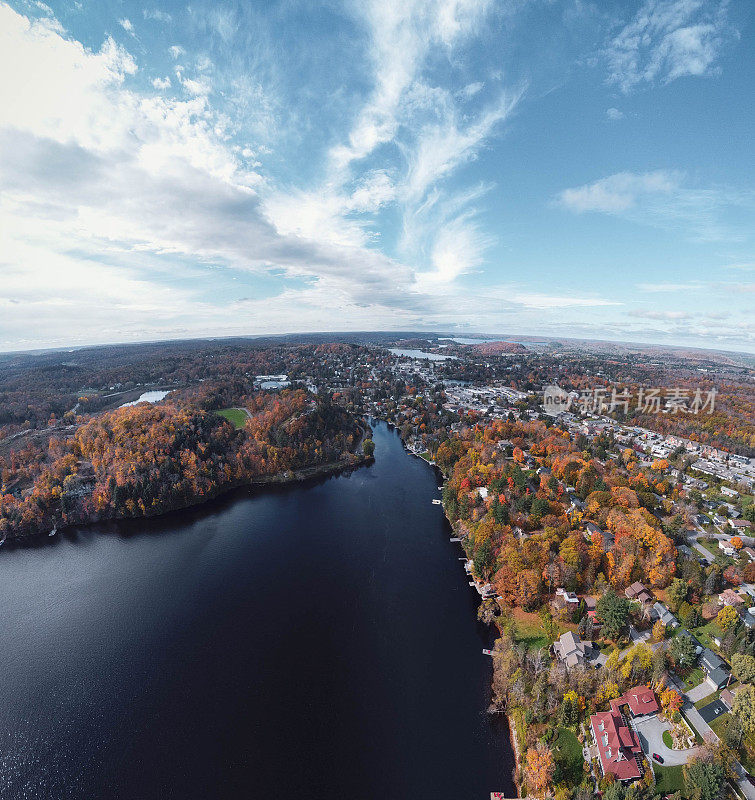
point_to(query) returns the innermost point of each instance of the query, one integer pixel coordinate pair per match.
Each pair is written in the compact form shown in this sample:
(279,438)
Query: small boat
(436,502)
(440,488)
(53,531)
(487,652)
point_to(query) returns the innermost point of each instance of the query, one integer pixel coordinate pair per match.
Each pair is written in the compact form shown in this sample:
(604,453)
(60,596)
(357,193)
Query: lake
(153,396)
(315,641)
(419,354)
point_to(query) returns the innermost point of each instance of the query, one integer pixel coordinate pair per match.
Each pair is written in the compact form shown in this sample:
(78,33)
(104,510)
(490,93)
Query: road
(709,735)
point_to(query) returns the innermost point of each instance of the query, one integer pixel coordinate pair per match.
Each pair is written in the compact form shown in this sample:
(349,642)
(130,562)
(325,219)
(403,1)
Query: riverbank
(355,461)
(510,720)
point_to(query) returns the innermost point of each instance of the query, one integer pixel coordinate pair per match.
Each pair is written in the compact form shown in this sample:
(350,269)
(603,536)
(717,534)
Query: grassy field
(567,753)
(667,740)
(669,779)
(234,415)
(529,630)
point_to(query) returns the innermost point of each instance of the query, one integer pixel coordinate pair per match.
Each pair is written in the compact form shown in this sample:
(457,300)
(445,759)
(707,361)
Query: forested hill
(145,459)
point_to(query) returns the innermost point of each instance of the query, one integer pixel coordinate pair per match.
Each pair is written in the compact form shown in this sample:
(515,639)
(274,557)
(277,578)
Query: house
(687,635)
(727,548)
(571,651)
(659,611)
(576,504)
(717,675)
(569,598)
(730,598)
(717,678)
(607,537)
(641,700)
(591,606)
(727,698)
(619,748)
(729,492)
(740,525)
(638,592)
(483,492)
(749,552)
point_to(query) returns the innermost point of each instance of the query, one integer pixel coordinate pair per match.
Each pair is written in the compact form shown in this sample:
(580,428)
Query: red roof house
(641,701)
(618,747)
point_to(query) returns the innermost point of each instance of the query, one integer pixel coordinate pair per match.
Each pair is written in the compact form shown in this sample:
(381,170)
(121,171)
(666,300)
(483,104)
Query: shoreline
(513,739)
(279,479)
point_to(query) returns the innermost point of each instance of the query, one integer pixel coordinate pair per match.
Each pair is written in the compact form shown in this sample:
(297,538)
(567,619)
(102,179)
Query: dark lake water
(316,641)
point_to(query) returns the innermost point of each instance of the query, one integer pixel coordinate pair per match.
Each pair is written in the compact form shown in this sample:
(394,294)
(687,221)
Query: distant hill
(496,348)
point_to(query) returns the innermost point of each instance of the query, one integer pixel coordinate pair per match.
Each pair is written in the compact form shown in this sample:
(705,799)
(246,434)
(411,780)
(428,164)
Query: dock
(455,539)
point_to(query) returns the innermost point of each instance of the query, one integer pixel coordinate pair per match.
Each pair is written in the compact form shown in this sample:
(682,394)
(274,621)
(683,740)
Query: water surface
(153,396)
(317,641)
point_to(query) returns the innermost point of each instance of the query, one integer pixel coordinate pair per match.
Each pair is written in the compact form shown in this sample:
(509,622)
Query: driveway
(698,692)
(636,637)
(650,732)
(712,710)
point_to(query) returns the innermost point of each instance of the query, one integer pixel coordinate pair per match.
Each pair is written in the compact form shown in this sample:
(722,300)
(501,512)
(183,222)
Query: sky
(542,167)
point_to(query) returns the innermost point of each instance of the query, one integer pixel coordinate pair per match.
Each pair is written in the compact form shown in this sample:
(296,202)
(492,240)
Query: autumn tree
(539,769)
(727,618)
(659,631)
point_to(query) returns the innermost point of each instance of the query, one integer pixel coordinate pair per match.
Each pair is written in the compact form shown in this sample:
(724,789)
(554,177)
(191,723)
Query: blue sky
(219,168)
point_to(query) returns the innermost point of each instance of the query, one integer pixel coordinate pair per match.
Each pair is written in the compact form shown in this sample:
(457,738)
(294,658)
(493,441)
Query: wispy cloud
(666,40)
(666,199)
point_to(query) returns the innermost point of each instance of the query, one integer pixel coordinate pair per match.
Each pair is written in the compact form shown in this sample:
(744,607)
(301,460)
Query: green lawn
(667,740)
(234,415)
(706,633)
(567,753)
(694,678)
(669,779)
(532,636)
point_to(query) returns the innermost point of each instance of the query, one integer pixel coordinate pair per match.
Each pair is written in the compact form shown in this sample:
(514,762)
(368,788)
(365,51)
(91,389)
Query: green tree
(743,667)
(743,707)
(676,593)
(708,779)
(682,651)
(613,612)
(368,446)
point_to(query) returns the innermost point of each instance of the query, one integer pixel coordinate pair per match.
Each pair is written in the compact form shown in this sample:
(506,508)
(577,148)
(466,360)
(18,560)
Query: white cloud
(614,114)
(157,15)
(176,51)
(651,314)
(669,287)
(665,199)
(127,25)
(666,40)
(197,88)
(161,83)
(618,192)
(543,301)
